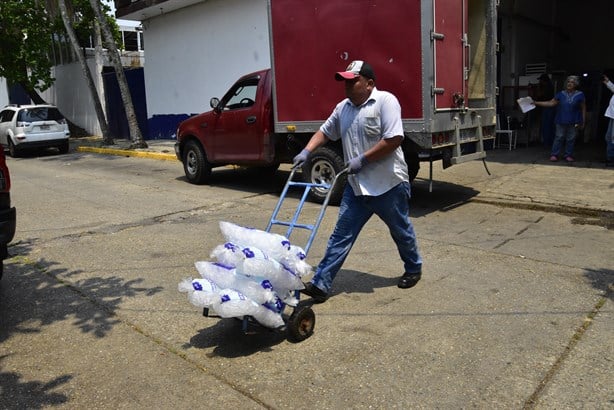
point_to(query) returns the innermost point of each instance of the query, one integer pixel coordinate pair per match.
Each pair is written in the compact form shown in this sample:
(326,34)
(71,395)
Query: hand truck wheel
(301,323)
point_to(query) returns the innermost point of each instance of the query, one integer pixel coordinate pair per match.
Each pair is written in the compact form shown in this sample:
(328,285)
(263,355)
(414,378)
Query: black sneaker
(318,295)
(409,280)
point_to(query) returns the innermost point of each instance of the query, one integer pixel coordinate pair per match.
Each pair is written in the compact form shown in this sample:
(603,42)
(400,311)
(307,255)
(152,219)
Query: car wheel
(197,168)
(13,150)
(64,147)
(321,168)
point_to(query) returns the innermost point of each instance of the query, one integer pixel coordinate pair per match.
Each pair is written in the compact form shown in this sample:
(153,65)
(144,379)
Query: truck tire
(321,168)
(195,165)
(413,164)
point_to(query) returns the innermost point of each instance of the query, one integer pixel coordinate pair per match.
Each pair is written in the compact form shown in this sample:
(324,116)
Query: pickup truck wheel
(413,164)
(321,168)
(197,168)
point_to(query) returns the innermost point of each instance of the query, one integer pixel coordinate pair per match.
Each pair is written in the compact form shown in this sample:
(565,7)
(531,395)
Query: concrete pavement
(522,177)
(580,377)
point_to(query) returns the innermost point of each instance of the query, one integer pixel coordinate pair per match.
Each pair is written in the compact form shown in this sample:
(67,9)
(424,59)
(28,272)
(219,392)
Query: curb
(129,153)
(602,217)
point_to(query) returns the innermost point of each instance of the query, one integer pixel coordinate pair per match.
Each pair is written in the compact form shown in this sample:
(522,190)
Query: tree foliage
(84,19)
(26,32)
(28,29)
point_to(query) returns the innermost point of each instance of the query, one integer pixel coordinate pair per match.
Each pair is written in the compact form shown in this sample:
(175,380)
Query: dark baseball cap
(355,69)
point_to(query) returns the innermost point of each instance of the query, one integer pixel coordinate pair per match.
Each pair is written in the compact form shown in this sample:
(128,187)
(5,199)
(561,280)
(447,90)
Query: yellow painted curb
(129,153)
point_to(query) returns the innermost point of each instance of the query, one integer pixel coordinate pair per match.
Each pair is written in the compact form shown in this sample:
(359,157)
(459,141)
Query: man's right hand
(298,160)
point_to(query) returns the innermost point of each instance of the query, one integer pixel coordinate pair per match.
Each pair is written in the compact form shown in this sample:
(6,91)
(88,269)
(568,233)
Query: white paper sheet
(526,104)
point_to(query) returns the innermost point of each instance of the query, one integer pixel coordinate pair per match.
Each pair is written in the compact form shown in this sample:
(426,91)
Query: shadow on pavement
(229,340)
(444,197)
(37,294)
(17,393)
(33,295)
(587,155)
(246,180)
(602,280)
(351,282)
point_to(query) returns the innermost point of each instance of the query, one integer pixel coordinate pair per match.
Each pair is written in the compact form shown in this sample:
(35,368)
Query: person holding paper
(569,118)
(545,91)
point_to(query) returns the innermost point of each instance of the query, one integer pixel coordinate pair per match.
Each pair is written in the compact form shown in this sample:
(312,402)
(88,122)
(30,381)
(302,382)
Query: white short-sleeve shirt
(360,128)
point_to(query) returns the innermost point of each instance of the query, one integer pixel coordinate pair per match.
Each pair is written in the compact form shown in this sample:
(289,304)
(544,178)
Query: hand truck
(300,324)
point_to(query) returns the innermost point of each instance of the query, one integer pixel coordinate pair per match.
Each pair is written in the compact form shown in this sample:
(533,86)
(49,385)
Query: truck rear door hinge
(437,36)
(438,90)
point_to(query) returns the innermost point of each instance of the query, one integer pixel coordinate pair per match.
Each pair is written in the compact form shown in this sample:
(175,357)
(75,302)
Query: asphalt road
(514,309)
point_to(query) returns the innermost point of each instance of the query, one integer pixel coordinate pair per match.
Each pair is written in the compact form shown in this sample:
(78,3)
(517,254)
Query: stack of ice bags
(255,273)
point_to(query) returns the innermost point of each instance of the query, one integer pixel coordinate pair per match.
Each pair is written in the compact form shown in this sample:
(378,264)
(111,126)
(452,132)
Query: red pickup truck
(239,130)
(438,57)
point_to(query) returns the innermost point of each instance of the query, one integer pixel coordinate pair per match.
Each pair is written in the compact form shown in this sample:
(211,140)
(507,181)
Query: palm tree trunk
(104,127)
(135,132)
(98,60)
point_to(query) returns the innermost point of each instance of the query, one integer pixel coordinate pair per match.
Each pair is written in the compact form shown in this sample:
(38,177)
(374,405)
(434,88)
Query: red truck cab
(239,131)
(236,131)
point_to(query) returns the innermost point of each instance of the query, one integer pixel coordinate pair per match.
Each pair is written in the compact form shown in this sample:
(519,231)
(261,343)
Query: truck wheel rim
(192,163)
(322,173)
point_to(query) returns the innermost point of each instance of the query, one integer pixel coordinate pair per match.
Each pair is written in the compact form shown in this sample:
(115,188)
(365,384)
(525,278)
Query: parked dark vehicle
(7,213)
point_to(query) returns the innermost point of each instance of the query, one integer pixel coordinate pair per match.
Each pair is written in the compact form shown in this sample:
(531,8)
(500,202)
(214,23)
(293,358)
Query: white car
(33,126)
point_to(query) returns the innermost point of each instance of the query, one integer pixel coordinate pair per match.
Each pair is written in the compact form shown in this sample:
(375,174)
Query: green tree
(26,32)
(28,29)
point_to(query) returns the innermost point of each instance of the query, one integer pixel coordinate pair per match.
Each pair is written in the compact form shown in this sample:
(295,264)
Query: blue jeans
(547,126)
(567,133)
(392,207)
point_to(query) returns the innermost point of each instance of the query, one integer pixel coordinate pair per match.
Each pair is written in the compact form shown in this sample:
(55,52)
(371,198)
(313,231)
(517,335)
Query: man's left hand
(356,164)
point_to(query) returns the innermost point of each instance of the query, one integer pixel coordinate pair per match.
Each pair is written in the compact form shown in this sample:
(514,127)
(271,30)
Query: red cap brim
(345,75)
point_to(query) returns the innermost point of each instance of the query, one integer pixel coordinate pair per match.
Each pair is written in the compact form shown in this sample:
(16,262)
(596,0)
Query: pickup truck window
(242,95)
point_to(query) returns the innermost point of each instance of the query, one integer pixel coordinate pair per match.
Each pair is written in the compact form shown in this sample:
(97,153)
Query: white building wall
(72,97)
(197,52)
